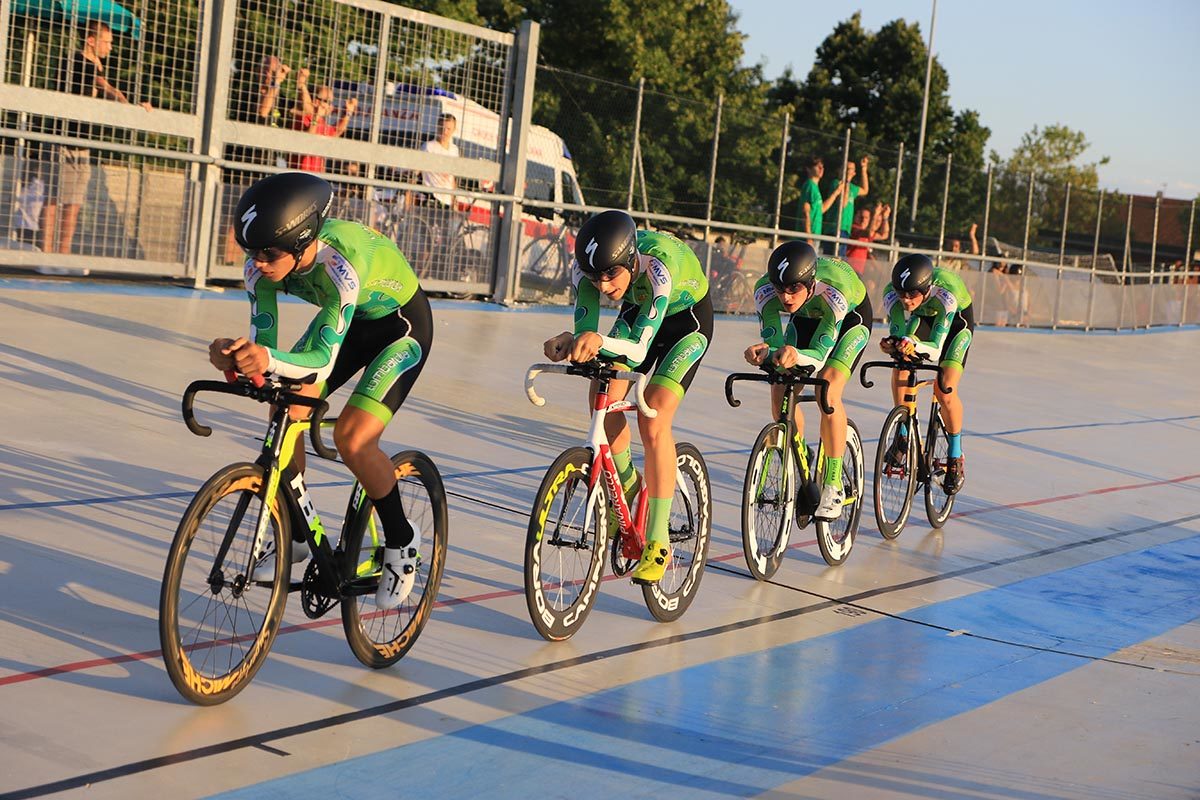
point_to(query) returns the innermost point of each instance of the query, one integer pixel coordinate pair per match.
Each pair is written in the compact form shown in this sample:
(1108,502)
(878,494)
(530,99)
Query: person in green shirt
(811,208)
(930,317)
(373,316)
(665,324)
(852,192)
(827,325)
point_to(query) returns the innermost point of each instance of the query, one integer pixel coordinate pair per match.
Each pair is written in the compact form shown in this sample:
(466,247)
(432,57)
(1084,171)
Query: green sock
(656,526)
(625,470)
(833,471)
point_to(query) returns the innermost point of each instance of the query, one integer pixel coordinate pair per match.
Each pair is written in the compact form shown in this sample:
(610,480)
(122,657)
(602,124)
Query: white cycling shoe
(399,572)
(830,508)
(264,570)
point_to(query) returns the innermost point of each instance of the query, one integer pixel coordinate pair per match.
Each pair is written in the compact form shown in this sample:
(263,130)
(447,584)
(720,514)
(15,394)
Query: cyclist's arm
(946,305)
(833,307)
(264,307)
(313,357)
(766,303)
(632,346)
(587,302)
(899,325)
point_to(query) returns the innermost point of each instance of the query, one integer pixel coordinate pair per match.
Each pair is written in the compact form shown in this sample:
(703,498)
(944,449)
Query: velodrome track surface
(1045,644)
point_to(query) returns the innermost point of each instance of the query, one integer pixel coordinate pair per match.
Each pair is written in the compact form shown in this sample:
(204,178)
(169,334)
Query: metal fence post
(1021,302)
(783,149)
(377,95)
(636,148)
(896,203)
(1153,257)
(222,22)
(837,221)
(1187,264)
(712,185)
(1125,258)
(945,205)
(1062,253)
(1087,324)
(512,174)
(983,243)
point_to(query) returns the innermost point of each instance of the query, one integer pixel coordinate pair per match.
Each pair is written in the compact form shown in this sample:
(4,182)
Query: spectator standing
(311,113)
(439,182)
(83,74)
(851,191)
(811,208)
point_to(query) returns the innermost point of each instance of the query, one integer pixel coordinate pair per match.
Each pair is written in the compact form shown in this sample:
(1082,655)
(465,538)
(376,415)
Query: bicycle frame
(909,399)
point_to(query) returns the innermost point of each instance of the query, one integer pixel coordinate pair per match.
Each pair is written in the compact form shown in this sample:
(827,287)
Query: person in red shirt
(869,226)
(312,114)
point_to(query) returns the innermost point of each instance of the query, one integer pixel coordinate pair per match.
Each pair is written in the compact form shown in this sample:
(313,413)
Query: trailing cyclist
(373,315)
(665,324)
(929,316)
(827,325)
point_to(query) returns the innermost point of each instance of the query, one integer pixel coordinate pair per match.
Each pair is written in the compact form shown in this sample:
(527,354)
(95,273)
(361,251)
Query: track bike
(903,462)
(783,485)
(565,548)
(228,571)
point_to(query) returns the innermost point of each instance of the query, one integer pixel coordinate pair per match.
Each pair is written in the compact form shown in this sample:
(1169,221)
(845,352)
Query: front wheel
(837,538)
(690,527)
(895,473)
(381,638)
(767,501)
(216,622)
(564,547)
(938,504)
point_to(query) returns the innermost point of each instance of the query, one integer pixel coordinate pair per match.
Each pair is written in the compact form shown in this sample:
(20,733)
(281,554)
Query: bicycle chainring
(313,599)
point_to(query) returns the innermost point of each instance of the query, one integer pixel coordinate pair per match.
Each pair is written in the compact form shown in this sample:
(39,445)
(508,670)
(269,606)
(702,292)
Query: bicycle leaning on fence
(565,548)
(782,483)
(224,588)
(902,461)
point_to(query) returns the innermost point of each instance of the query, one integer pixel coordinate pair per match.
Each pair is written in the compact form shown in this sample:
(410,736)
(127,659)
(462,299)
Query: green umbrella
(115,15)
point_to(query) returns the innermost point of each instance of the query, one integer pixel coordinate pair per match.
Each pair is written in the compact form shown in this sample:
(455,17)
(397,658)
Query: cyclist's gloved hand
(586,347)
(559,347)
(888,345)
(249,359)
(756,354)
(907,347)
(218,354)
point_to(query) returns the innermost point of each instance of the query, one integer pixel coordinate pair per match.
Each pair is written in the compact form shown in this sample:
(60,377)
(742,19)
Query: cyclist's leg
(852,340)
(953,362)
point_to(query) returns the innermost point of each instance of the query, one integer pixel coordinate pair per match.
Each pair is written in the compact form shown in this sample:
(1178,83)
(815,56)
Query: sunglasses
(911,294)
(267,254)
(608,275)
(792,288)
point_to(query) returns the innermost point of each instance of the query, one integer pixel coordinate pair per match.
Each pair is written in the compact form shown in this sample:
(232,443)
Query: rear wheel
(895,473)
(564,547)
(215,622)
(381,638)
(767,501)
(837,538)
(938,504)
(690,526)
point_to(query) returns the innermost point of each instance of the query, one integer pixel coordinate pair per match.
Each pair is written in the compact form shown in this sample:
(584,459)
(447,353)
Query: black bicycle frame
(793,381)
(910,398)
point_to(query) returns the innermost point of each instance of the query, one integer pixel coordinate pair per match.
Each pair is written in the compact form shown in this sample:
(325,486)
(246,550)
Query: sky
(1126,74)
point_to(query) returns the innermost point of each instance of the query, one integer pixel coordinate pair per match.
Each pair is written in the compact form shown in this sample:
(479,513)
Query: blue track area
(1043,645)
(743,725)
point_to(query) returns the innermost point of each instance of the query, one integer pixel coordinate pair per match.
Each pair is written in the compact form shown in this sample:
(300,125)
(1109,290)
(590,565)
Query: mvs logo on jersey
(945,297)
(836,300)
(659,276)
(763,295)
(340,270)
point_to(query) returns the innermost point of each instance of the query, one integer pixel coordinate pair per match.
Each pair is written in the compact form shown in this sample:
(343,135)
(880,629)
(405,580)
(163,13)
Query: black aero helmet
(912,273)
(792,263)
(284,211)
(607,240)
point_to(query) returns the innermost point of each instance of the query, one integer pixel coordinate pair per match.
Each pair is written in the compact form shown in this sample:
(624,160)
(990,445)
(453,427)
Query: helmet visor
(266,255)
(912,294)
(607,275)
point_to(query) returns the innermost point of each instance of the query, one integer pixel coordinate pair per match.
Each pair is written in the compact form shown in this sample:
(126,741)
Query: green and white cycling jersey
(358,274)
(836,292)
(948,296)
(670,280)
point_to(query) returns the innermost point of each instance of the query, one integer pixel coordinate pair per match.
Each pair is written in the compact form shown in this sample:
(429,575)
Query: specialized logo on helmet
(248,218)
(904,276)
(783,265)
(591,252)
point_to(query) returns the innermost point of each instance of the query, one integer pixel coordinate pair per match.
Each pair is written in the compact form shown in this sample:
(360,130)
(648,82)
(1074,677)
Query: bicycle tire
(208,657)
(690,526)
(415,238)
(938,504)
(381,638)
(894,486)
(836,539)
(768,503)
(467,266)
(544,267)
(740,297)
(559,601)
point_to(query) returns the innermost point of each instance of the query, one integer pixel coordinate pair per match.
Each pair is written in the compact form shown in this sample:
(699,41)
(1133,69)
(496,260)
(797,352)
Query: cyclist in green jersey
(929,316)
(373,317)
(665,324)
(827,327)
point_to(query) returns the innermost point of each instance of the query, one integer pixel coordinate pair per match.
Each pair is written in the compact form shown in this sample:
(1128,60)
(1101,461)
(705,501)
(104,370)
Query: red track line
(79,666)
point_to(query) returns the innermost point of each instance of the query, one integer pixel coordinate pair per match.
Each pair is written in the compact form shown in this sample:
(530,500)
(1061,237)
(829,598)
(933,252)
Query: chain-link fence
(200,99)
